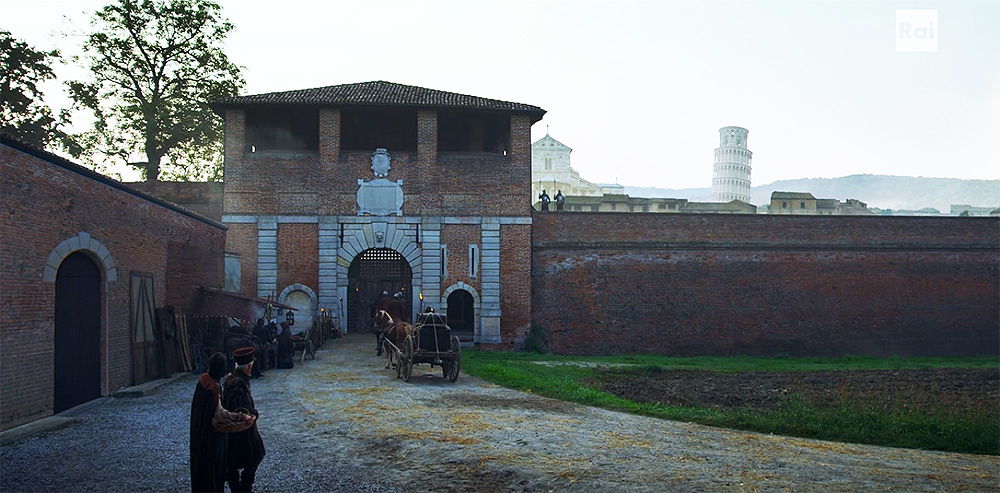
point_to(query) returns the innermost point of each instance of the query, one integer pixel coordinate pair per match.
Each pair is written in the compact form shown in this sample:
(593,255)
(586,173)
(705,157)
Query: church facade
(338,194)
(551,173)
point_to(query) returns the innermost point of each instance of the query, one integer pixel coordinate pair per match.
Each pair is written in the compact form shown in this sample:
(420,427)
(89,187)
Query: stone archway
(82,241)
(304,300)
(373,272)
(76,267)
(462,304)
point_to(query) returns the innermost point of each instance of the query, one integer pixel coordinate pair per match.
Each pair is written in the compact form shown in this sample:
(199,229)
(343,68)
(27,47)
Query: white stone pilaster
(490,295)
(267,256)
(329,243)
(430,246)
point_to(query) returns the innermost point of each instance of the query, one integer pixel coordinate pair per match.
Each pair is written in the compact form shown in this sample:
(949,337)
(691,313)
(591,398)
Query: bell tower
(731,173)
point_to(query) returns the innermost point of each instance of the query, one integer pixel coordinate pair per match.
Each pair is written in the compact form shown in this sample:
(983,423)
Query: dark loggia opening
(284,129)
(473,132)
(367,129)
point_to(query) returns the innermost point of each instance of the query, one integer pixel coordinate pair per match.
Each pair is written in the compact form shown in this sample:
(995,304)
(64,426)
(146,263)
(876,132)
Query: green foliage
(931,423)
(155,66)
(22,113)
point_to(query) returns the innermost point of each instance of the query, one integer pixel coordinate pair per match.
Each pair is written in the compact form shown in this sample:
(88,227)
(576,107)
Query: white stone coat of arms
(380,162)
(380,197)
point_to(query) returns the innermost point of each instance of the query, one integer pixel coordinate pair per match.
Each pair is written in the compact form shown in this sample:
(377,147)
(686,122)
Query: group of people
(225,443)
(545,200)
(275,349)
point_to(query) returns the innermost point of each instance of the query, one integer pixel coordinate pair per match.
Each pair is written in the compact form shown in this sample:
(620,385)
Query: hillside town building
(806,203)
(624,203)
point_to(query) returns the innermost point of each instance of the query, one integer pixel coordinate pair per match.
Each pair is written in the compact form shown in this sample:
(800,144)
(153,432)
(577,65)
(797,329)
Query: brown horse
(387,309)
(395,334)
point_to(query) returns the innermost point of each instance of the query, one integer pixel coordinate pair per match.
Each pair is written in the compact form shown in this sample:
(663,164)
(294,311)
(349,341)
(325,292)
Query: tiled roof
(792,195)
(376,93)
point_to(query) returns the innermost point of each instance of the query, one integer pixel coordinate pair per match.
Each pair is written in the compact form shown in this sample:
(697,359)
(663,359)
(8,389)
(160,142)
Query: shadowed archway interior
(373,272)
(77,332)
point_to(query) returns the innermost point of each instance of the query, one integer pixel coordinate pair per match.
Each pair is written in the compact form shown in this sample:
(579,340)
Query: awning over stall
(217,303)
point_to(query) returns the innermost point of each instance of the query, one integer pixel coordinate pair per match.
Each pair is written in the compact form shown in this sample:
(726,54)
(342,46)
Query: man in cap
(246,448)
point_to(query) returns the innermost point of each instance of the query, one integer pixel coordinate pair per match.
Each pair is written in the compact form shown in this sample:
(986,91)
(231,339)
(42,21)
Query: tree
(156,65)
(22,114)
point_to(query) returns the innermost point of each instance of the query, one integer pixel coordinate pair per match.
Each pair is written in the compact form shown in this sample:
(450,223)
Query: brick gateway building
(336,194)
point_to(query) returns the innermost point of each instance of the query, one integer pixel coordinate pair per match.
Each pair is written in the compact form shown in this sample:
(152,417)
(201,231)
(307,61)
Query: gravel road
(343,423)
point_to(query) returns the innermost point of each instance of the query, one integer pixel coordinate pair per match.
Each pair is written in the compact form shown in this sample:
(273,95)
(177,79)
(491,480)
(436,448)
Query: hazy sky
(639,89)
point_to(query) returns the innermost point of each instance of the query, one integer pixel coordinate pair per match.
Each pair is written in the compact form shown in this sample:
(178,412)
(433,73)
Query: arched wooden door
(461,311)
(373,272)
(77,332)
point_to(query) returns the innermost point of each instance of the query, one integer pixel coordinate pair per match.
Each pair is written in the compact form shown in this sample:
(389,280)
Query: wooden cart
(430,342)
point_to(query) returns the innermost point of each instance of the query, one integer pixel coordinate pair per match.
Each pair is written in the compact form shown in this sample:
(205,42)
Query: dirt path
(431,434)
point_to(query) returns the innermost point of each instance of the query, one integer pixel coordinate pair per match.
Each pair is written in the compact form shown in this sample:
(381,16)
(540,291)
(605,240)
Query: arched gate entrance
(461,312)
(77,332)
(373,272)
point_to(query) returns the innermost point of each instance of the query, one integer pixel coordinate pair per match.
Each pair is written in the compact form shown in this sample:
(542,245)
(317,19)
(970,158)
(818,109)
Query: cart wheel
(455,365)
(407,359)
(453,368)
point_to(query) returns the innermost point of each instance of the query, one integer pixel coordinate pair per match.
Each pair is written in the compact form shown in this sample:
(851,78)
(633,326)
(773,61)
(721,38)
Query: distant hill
(882,191)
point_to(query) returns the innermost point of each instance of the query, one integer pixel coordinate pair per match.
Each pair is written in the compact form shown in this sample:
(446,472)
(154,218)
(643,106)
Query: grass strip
(968,427)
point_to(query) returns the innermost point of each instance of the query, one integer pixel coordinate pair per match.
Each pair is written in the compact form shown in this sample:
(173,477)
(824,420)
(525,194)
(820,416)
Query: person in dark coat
(208,445)
(286,347)
(268,343)
(245,448)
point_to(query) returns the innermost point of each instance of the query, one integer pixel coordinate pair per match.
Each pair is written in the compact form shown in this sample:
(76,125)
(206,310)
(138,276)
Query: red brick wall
(204,198)
(45,204)
(764,285)
(515,284)
(325,182)
(458,237)
(298,255)
(242,239)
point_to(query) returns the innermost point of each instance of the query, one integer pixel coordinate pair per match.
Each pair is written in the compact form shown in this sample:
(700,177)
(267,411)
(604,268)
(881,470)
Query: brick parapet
(819,286)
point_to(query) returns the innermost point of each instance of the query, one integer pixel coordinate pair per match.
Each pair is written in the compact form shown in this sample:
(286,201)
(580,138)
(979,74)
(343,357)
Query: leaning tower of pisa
(731,173)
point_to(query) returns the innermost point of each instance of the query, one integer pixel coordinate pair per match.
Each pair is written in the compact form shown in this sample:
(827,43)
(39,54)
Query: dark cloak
(246,448)
(286,348)
(204,461)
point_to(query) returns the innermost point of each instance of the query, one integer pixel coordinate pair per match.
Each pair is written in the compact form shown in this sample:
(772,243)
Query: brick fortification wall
(766,285)
(204,198)
(51,205)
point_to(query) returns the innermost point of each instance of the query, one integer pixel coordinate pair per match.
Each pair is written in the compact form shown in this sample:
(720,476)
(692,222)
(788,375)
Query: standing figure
(208,432)
(286,348)
(544,198)
(560,200)
(246,448)
(268,343)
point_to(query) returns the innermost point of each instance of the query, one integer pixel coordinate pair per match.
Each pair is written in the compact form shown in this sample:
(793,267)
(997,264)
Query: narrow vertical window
(444,261)
(473,260)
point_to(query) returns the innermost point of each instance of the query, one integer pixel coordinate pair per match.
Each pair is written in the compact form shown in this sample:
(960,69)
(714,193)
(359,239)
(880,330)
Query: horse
(394,333)
(380,321)
(395,309)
